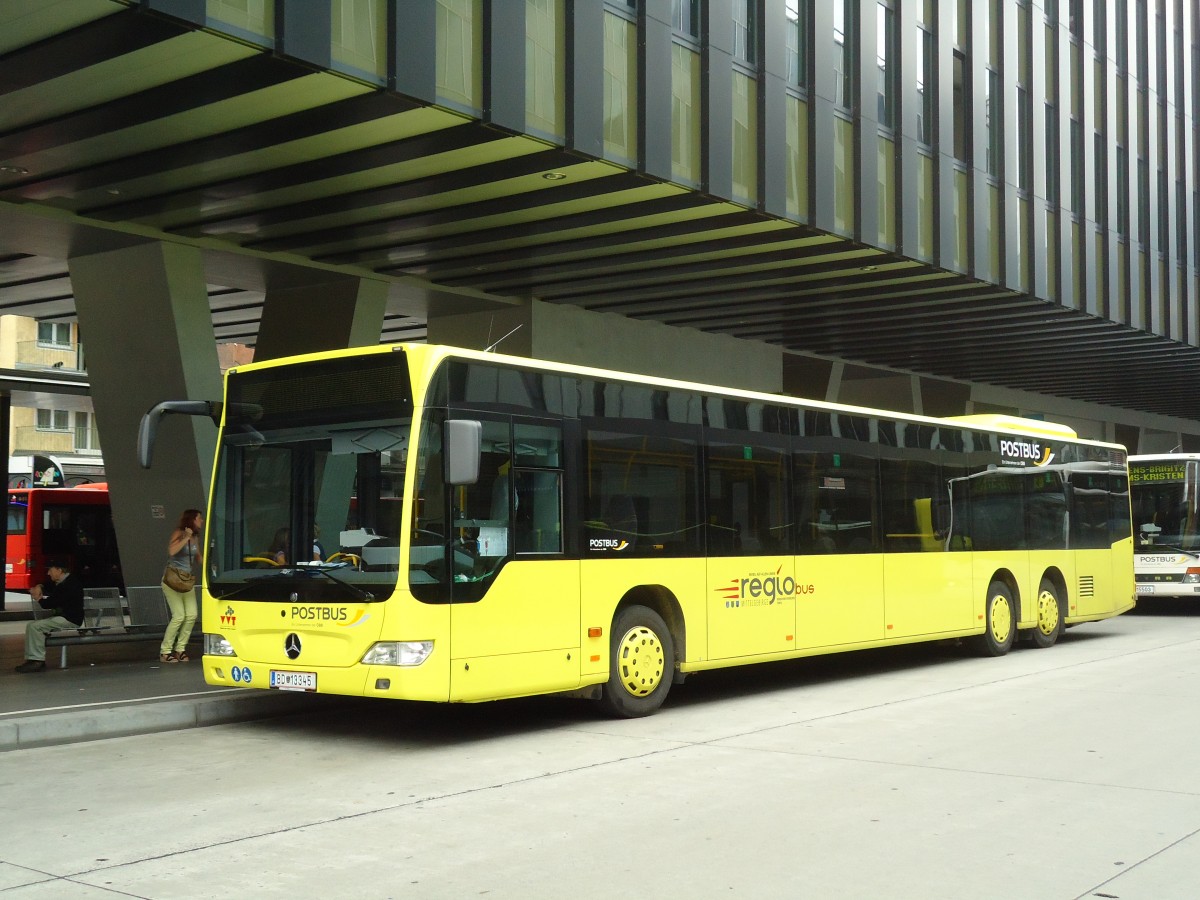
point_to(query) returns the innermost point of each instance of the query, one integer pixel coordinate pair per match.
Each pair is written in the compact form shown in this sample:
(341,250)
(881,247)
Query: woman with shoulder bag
(179,585)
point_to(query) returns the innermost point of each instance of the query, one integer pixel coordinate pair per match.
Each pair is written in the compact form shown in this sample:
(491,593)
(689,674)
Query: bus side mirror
(461,442)
(148,428)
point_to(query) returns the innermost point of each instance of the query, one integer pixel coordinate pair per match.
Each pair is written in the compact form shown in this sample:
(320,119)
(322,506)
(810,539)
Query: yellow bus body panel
(842,600)
(927,593)
(523,637)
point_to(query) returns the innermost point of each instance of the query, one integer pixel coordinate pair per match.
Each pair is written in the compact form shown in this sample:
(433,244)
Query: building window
(685,18)
(799,17)
(745,32)
(991,123)
(1052,157)
(459,39)
(359,37)
(620,88)
(245,18)
(924,84)
(54,334)
(545,42)
(885,37)
(685,114)
(53,420)
(745,137)
(843,53)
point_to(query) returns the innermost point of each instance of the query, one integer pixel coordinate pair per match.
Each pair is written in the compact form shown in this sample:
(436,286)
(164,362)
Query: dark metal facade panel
(412,30)
(585,78)
(981,181)
(1087,118)
(504,65)
(1114,290)
(945,235)
(1064,160)
(1190,171)
(772,122)
(1038,153)
(1154,150)
(655,125)
(716,64)
(192,11)
(304,31)
(1172,319)
(909,160)
(866,130)
(820,98)
(1012,252)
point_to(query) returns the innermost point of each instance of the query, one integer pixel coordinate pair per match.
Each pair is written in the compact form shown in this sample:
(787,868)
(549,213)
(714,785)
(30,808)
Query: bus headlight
(216,645)
(398,653)
(1192,576)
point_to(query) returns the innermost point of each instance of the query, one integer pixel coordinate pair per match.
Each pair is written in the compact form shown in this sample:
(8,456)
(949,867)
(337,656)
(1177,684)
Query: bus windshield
(309,476)
(1164,504)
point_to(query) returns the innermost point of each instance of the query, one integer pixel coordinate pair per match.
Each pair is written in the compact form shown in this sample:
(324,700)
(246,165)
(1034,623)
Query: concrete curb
(123,718)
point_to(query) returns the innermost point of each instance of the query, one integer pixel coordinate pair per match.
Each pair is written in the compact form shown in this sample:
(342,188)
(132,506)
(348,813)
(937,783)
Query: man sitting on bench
(63,595)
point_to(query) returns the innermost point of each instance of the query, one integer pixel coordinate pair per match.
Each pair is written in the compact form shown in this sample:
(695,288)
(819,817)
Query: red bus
(71,523)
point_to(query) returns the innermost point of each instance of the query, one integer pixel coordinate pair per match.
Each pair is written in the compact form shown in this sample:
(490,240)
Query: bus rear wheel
(1000,621)
(1049,615)
(641,663)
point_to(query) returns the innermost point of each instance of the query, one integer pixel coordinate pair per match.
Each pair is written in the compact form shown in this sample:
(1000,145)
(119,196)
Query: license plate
(1145,589)
(294,681)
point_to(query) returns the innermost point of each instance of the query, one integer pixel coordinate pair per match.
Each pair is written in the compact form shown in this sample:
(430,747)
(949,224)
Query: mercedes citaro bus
(499,527)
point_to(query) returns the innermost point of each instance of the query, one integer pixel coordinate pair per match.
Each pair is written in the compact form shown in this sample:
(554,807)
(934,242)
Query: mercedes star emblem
(291,645)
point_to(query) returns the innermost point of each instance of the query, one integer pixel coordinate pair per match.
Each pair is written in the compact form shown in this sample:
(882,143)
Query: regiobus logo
(1014,452)
(762,589)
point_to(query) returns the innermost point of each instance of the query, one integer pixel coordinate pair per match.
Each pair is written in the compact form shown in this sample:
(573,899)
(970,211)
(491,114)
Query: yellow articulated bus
(431,523)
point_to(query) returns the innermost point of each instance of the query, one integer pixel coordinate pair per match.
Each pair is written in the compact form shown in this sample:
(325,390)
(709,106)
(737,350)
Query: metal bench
(103,623)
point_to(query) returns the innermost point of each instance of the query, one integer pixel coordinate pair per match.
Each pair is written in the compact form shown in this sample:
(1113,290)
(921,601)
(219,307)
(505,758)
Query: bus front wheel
(1049,615)
(1000,621)
(641,663)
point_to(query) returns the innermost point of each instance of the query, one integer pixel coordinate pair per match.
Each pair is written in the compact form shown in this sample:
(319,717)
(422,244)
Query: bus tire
(1000,621)
(641,663)
(1049,615)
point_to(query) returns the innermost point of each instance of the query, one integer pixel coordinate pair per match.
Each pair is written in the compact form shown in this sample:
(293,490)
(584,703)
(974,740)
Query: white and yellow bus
(465,526)
(1166,524)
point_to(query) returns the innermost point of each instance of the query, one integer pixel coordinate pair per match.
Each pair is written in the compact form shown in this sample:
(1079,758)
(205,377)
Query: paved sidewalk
(112,689)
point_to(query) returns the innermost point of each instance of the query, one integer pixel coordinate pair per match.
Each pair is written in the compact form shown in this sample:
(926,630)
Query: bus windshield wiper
(1151,548)
(353,588)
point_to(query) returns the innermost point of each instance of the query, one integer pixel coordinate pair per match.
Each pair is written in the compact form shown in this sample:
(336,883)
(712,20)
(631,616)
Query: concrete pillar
(326,315)
(607,340)
(145,322)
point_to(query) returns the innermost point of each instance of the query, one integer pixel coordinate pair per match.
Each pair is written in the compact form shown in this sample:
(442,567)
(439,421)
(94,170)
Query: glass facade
(459,36)
(359,37)
(620,88)
(1067,157)
(545,62)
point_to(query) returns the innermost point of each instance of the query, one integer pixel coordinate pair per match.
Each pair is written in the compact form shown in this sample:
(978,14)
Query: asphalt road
(919,772)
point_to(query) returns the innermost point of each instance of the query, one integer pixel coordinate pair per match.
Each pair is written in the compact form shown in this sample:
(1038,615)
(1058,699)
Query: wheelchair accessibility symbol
(241,674)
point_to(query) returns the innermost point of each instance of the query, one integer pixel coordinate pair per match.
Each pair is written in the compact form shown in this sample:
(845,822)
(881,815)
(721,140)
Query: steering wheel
(353,558)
